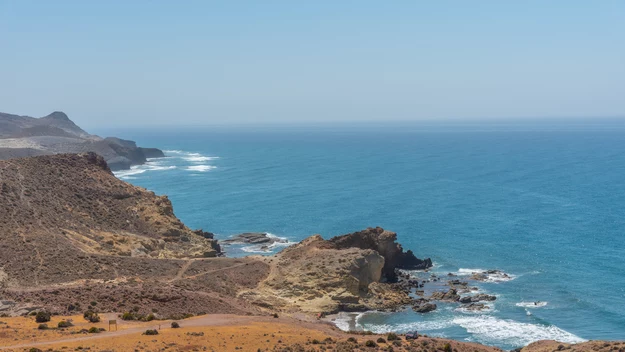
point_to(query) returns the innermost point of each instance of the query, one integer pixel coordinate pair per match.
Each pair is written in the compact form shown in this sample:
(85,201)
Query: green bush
(447,347)
(42,317)
(128,316)
(43,327)
(64,324)
(392,336)
(351,339)
(175,325)
(91,316)
(381,340)
(93,330)
(370,343)
(151,332)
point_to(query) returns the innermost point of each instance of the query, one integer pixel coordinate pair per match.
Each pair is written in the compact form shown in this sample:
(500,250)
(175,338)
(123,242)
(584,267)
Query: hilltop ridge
(22,136)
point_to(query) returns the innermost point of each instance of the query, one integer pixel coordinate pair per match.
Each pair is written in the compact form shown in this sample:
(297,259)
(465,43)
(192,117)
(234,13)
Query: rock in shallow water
(253,238)
(424,307)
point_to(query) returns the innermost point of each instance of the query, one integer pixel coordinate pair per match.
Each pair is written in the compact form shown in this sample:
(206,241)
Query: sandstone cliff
(349,272)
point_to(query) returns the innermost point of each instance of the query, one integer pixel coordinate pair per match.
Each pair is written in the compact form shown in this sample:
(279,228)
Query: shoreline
(222,332)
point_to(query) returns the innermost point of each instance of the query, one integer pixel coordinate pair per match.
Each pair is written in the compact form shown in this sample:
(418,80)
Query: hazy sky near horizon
(204,62)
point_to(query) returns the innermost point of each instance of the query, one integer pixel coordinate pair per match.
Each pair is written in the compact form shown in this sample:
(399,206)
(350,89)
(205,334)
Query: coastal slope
(72,233)
(22,136)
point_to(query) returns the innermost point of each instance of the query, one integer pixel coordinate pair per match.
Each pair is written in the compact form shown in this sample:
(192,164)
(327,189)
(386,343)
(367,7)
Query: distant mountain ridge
(23,136)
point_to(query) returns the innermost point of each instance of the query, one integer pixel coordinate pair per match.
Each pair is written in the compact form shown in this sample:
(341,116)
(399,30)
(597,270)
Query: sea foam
(531,304)
(200,168)
(491,330)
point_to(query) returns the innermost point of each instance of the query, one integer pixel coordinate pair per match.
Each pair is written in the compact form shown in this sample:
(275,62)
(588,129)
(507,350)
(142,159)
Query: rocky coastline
(25,136)
(109,247)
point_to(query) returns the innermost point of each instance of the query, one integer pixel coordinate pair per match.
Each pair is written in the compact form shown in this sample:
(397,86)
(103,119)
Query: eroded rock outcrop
(346,273)
(385,243)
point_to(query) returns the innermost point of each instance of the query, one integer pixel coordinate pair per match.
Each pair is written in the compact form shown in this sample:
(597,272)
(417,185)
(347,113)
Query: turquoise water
(542,201)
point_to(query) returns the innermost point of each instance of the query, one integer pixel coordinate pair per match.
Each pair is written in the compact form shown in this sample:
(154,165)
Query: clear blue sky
(190,62)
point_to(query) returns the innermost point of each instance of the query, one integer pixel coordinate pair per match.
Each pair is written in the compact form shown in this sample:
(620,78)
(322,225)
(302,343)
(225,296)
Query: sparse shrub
(33,349)
(91,316)
(381,340)
(275,315)
(148,317)
(187,316)
(94,303)
(151,332)
(64,324)
(93,330)
(42,317)
(351,339)
(391,336)
(370,343)
(128,316)
(175,325)
(43,327)
(315,342)
(447,347)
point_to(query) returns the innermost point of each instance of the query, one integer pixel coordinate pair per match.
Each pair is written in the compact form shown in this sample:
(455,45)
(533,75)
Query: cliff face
(385,243)
(56,133)
(344,273)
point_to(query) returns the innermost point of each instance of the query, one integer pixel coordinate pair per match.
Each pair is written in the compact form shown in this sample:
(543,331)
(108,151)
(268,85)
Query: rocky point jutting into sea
(22,136)
(75,238)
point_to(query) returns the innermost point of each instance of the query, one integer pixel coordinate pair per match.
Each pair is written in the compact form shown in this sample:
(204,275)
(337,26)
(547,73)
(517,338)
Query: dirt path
(182,270)
(215,271)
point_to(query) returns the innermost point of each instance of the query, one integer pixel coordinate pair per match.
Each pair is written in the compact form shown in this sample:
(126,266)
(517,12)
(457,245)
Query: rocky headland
(23,136)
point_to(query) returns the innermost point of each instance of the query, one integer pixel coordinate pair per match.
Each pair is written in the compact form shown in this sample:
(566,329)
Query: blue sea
(543,201)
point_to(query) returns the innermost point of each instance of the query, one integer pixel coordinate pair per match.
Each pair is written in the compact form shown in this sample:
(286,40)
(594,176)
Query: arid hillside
(70,230)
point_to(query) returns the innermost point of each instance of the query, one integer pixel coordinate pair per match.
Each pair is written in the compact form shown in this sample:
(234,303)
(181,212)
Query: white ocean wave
(405,327)
(199,158)
(139,169)
(169,163)
(347,321)
(537,304)
(491,330)
(200,168)
(495,277)
(490,309)
(264,248)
